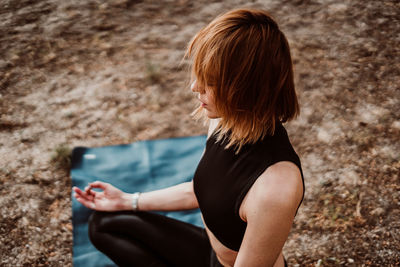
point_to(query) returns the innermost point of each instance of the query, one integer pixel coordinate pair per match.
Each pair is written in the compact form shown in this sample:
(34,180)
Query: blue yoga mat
(140,166)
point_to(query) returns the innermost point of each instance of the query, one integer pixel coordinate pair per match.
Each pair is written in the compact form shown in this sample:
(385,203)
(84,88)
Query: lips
(202,102)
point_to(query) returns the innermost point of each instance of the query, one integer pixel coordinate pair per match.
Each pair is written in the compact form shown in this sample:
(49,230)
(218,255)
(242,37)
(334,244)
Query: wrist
(126,201)
(135,201)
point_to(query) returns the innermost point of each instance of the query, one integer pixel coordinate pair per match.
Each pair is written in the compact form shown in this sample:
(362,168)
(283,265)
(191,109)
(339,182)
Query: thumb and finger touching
(98,184)
(96,200)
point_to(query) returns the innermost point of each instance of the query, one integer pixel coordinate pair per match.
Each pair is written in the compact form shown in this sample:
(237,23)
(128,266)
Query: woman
(249,182)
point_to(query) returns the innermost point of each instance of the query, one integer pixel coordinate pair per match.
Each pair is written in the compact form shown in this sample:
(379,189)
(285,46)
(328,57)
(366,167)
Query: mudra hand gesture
(110,199)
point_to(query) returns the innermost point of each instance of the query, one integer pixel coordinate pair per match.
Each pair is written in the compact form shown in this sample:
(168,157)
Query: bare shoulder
(280,185)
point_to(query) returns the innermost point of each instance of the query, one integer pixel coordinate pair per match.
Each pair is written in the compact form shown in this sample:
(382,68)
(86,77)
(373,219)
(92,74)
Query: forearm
(178,197)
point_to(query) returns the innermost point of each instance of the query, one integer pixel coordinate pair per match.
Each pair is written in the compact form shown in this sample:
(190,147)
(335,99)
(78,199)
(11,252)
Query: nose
(193,87)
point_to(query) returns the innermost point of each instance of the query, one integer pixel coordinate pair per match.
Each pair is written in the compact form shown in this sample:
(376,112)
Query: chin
(212,116)
(208,113)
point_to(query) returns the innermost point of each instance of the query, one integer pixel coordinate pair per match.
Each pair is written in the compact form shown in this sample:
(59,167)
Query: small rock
(332,259)
(323,136)
(14,58)
(378,211)
(104,6)
(350,177)
(389,151)
(119,3)
(371,113)
(24,222)
(350,260)
(334,8)
(49,57)
(396,125)
(26,28)
(4,64)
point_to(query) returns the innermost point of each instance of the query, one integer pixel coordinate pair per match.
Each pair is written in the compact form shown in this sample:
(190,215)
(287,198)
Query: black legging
(149,239)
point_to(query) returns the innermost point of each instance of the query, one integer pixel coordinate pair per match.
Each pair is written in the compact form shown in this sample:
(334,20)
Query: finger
(89,191)
(79,197)
(83,194)
(79,191)
(86,203)
(98,184)
(92,193)
(76,189)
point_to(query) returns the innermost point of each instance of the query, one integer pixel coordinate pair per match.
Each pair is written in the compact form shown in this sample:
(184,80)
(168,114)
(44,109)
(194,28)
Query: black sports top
(223,178)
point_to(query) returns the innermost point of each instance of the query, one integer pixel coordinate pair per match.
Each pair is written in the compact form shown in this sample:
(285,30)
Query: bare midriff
(226,256)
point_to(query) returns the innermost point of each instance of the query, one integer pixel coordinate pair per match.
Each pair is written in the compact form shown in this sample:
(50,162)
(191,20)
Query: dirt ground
(98,73)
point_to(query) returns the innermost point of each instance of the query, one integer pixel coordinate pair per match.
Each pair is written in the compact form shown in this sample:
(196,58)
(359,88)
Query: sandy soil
(98,73)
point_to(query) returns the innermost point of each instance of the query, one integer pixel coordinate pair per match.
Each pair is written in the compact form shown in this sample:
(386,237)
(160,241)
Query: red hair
(244,58)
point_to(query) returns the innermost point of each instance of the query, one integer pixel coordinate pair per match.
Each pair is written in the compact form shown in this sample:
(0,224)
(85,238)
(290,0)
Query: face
(206,99)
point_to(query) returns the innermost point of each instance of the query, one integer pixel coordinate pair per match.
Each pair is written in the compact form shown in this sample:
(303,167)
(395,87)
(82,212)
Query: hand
(110,199)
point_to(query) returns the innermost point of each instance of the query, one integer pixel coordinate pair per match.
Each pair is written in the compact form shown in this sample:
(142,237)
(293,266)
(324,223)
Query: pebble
(396,125)
(334,8)
(350,178)
(323,136)
(378,211)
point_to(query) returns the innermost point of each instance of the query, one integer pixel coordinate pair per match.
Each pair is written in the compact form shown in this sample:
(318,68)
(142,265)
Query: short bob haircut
(244,58)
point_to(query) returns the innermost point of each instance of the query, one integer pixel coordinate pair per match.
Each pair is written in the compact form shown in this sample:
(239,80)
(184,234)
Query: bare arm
(178,197)
(269,210)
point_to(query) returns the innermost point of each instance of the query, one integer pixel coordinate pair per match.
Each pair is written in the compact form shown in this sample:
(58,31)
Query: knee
(102,223)
(94,225)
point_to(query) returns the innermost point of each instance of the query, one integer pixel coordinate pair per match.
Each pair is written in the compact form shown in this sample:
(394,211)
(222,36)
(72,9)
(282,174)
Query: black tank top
(223,178)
